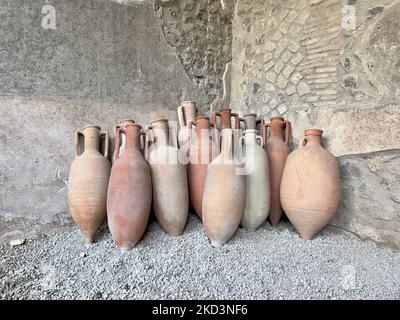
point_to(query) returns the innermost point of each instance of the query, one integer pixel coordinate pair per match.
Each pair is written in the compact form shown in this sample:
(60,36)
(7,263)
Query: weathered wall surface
(200,32)
(100,50)
(105,61)
(305,60)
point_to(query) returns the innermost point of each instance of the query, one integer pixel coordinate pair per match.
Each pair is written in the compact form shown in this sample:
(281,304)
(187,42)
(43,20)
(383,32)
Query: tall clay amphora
(224,193)
(88,182)
(187,112)
(203,150)
(277,148)
(225,116)
(129,190)
(310,188)
(169,176)
(122,139)
(251,122)
(257,181)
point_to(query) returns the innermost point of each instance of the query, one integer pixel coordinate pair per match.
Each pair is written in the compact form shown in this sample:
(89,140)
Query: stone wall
(331,64)
(200,32)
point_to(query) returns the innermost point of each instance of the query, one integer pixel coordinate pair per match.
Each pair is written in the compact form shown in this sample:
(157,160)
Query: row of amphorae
(233,171)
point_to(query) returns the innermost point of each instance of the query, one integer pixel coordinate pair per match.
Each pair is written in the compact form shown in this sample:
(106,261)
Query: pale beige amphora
(88,182)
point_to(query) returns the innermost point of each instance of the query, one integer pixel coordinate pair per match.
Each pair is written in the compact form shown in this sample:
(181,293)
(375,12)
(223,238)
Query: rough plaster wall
(200,32)
(100,50)
(106,61)
(294,58)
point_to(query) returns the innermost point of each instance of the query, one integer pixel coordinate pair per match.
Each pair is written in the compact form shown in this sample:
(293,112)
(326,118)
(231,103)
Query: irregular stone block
(282,82)
(293,46)
(370,190)
(303,89)
(286,56)
(288,71)
(272,104)
(271,76)
(290,90)
(296,58)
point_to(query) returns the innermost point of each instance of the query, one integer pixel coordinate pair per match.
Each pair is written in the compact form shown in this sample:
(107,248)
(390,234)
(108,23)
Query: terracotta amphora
(310,188)
(88,182)
(187,112)
(251,122)
(224,193)
(225,116)
(169,178)
(204,147)
(277,140)
(122,139)
(129,190)
(257,181)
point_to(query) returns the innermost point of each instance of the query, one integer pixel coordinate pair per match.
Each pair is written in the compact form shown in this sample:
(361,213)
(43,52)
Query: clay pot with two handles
(88,182)
(224,193)
(187,112)
(204,147)
(129,195)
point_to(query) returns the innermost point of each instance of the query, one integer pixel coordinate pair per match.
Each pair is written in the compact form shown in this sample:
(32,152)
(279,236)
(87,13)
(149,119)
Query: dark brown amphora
(129,190)
(225,116)
(203,149)
(310,188)
(277,140)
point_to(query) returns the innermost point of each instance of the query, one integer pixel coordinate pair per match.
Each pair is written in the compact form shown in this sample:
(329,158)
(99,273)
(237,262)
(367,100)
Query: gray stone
(291,90)
(293,46)
(286,56)
(350,81)
(374,11)
(288,71)
(204,27)
(282,82)
(271,76)
(370,182)
(295,79)
(278,67)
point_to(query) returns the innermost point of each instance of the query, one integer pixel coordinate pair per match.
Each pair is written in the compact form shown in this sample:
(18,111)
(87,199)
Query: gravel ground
(266,264)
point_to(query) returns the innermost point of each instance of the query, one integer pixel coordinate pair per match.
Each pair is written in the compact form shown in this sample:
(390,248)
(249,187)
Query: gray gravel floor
(266,264)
